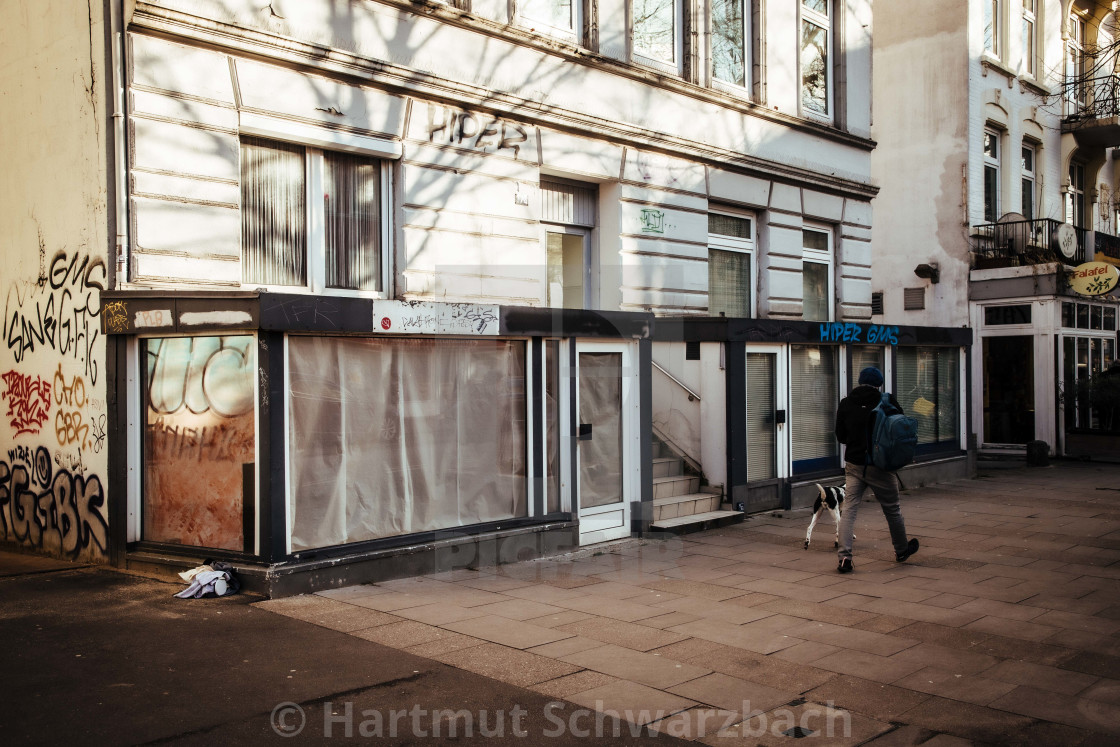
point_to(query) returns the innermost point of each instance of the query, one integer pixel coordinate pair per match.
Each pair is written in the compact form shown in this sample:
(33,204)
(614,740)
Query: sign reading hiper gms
(1094,278)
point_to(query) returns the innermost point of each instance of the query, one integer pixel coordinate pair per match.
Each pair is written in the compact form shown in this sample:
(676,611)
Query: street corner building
(1000,181)
(340,292)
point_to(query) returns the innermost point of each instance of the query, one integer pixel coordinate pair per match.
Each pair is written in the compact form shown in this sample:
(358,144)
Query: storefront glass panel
(199,443)
(398,436)
(813,401)
(929,391)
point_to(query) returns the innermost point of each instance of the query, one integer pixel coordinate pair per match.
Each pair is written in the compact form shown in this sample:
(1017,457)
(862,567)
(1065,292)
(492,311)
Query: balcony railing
(1024,242)
(1094,98)
(1107,245)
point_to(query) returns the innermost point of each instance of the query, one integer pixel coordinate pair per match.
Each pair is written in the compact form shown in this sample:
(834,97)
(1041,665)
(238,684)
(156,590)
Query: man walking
(853,429)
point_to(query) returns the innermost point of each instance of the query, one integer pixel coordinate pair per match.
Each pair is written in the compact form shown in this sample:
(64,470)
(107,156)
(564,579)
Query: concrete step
(684,505)
(666,487)
(697,519)
(666,467)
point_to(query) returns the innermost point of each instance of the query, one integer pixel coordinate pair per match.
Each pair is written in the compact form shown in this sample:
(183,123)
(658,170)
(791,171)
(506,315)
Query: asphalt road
(92,656)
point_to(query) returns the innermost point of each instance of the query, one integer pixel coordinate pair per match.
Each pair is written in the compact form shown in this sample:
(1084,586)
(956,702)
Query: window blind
(761,406)
(813,400)
(729,283)
(352,207)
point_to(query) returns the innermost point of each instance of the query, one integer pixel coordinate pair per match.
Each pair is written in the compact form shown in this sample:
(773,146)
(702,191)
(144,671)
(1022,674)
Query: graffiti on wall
(29,402)
(851,332)
(481,132)
(58,312)
(50,500)
(50,504)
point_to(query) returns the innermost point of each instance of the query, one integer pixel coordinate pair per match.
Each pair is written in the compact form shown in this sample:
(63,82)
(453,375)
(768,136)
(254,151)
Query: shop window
(731,42)
(814,384)
(658,37)
(816,275)
(928,388)
(312,218)
(730,265)
(398,436)
(199,445)
(816,58)
(864,356)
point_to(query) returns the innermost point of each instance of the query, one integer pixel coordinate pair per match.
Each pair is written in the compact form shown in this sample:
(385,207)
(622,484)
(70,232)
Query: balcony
(1018,243)
(1091,112)
(1106,248)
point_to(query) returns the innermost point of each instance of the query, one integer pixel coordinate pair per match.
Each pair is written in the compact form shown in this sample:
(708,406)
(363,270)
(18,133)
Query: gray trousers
(885,487)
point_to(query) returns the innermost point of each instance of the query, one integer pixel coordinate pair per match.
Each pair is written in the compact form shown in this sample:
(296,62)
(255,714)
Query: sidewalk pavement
(1003,629)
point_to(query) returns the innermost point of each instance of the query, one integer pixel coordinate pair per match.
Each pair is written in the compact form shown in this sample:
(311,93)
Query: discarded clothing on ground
(209,580)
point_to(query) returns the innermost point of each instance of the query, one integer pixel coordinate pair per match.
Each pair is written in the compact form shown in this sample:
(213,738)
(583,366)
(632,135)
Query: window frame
(824,21)
(745,88)
(1028,64)
(993,22)
(992,164)
(574,35)
(1028,178)
(1075,98)
(817,257)
(675,67)
(1075,195)
(316,143)
(725,243)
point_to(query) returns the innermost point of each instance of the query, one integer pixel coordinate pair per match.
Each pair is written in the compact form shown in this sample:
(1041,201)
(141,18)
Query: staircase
(679,503)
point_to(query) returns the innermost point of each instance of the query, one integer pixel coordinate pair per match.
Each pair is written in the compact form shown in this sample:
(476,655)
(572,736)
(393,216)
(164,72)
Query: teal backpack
(894,436)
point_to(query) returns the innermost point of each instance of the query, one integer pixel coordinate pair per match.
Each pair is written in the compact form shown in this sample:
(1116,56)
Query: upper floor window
(657,32)
(993,41)
(312,218)
(991,176)
(1076,87)
(1075,198)
(1026,170)
(816,58)
(568,216)
(730,265)
(816,274)
(562,18)
(1030,20)
(730,42)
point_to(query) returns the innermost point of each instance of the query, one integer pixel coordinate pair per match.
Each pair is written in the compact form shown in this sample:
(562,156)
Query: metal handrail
(691,394)
(1092,98)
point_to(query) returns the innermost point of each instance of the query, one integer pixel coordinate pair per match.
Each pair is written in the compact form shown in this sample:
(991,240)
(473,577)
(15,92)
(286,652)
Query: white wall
(54,250)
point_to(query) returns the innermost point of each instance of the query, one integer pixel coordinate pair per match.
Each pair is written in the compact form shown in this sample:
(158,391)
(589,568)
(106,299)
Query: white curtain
(352,207)
(397,436)
(273,213)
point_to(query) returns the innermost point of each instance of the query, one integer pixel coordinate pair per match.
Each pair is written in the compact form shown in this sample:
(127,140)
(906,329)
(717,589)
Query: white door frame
(781,402)
(612,521)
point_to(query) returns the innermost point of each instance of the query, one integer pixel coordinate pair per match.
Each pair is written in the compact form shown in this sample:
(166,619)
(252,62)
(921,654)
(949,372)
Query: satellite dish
(1012,230)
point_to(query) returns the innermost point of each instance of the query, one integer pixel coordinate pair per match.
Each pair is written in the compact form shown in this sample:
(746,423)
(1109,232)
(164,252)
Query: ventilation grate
(877,303)
(913,299)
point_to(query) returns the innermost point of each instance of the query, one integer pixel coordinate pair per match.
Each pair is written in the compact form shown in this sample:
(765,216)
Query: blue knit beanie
(871,376)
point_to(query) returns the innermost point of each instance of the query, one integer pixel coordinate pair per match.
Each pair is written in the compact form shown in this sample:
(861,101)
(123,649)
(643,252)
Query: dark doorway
(1008,390)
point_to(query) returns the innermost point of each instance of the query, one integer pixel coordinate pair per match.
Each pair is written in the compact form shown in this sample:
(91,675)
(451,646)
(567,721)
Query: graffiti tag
(29,402)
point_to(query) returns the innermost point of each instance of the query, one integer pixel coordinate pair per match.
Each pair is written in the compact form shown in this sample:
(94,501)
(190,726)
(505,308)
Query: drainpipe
(120,141)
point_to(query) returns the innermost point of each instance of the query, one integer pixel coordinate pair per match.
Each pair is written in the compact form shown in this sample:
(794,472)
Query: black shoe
(911,548)
(845,566)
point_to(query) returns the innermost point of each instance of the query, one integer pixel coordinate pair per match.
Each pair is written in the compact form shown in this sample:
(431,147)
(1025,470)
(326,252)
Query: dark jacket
(853,422)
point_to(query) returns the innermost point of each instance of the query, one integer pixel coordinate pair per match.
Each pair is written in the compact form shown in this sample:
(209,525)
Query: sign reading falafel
(428,318)
(1094,278)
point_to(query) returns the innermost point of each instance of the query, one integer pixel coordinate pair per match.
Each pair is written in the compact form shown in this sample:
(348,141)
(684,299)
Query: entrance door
(1008,389)
(606,414)
(767,413)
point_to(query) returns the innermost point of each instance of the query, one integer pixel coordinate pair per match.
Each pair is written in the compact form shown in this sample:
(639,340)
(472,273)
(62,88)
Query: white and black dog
(831,499)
